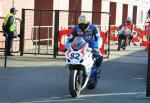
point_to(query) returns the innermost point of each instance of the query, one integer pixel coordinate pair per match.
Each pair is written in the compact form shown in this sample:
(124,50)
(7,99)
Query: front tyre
(123,44)
(74,83)
(119,44)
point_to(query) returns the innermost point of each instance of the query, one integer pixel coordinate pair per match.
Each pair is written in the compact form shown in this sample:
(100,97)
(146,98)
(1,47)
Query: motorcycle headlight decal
(68,60)
(81,60)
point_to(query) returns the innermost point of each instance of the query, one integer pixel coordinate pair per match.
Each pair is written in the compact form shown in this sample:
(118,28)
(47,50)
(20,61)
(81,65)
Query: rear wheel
(123,44)
(119,44)
(118,49)
(93,79)
(93,83)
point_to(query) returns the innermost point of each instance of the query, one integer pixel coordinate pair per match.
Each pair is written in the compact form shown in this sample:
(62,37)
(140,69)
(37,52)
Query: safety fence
(46,31)
(37,32)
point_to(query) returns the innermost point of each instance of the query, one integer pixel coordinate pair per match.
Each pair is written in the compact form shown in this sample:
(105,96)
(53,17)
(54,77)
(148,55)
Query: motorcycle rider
(125,30)
(90,34)
(129,25)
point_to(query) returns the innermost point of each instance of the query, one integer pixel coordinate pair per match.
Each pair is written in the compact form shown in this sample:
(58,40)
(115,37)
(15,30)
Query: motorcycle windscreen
(78,43)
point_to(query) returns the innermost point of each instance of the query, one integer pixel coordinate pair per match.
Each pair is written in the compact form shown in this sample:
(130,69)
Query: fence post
(5,52)
(22,29)
(39,33)
(56,33)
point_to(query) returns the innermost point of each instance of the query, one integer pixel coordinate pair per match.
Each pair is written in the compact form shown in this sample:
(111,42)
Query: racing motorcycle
(123,38)
(81,65)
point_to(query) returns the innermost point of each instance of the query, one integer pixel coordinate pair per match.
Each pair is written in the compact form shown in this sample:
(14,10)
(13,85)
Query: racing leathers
(125,31)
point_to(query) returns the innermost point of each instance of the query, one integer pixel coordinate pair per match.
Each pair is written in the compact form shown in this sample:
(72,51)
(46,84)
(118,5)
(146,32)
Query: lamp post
(148,66)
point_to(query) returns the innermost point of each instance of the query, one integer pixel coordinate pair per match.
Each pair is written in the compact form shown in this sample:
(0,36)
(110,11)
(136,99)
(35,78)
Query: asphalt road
(119,83)
(34,79)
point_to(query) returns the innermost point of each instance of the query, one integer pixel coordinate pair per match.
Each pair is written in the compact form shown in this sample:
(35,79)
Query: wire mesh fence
(38,32)
(68,19)
(42,28)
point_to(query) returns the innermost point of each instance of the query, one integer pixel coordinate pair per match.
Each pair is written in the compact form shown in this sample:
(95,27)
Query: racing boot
(99,61)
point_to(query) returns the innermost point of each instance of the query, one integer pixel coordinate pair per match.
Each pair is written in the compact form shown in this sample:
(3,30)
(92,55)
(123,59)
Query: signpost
(148,66)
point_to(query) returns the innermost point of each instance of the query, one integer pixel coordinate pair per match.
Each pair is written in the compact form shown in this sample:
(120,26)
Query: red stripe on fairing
(82,50)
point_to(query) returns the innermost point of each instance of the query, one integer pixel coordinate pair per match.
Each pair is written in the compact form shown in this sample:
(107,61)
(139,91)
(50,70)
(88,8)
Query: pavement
(130,55)
(42,79)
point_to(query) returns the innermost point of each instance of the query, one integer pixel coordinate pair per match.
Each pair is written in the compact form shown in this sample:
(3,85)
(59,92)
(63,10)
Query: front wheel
(75,82)
(123,44)
(119,44)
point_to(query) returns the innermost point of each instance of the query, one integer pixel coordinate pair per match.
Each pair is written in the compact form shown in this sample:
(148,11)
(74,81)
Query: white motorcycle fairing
(82,57)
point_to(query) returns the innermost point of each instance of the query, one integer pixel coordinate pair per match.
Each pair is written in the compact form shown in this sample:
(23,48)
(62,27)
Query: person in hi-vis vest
(9,29)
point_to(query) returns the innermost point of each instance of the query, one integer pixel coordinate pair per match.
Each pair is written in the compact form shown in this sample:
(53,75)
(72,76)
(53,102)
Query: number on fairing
(74,56)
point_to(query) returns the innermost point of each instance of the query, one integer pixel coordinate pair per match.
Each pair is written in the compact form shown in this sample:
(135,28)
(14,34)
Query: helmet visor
(83,27)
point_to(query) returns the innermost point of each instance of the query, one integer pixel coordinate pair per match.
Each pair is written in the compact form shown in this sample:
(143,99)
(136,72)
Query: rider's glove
(65,50)
(95,51)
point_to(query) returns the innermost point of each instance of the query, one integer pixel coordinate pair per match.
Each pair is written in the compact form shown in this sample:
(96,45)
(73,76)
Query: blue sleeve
(72,36)
(98,42)
(68,41)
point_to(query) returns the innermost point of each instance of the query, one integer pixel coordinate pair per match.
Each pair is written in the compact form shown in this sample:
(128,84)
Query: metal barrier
(103,26)
(38,32)
(40,29)
(35,39)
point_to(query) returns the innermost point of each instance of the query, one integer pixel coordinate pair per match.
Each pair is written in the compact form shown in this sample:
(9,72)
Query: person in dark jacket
(9,29)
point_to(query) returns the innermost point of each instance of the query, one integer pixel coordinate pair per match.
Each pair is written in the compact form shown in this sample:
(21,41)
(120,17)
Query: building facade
(119,9)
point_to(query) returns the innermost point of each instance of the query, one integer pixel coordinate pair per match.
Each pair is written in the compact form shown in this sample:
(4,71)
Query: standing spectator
(9,29)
